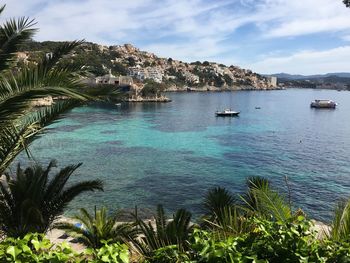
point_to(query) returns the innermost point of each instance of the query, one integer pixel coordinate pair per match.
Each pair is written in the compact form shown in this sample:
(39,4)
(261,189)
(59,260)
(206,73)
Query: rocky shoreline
(149,99)
(217,89)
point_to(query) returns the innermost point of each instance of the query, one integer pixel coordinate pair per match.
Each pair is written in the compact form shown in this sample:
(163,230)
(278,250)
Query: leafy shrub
(268,242)
(36,248)
(115,252)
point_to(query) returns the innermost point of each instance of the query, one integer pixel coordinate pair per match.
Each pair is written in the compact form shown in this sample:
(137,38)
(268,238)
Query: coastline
(219,89)
(149,99)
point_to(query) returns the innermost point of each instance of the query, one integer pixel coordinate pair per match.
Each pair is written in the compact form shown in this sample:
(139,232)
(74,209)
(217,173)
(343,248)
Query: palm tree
(163,232)
(20,122)
(340,227)
(216,200)
(92,230)
(30,202)
(260,200)
(223,214)
(226,216)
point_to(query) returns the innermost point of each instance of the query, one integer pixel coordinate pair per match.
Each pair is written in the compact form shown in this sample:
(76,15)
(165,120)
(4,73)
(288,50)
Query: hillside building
(142,74)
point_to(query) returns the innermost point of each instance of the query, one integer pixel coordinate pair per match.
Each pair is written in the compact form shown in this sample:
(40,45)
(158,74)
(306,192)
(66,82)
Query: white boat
(324,104)
(227,112)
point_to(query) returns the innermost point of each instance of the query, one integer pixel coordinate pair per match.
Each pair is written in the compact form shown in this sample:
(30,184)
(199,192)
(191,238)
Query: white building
(141,74)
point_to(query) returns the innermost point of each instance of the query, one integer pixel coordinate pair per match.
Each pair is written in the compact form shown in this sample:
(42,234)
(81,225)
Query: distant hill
(339,80)
(318,76)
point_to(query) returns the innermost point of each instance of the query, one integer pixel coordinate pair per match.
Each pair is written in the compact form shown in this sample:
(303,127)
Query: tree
(228,80)
(20,121)
(165,232)
(30,201)
(97,228)
(152,88)
(132,62)
(347,3)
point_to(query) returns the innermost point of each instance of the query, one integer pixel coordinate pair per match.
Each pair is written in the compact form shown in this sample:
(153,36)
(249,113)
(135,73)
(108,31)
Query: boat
(323,104)
(227,112)
(118,104)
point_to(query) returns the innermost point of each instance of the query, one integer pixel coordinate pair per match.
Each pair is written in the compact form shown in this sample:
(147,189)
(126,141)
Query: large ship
(324,104)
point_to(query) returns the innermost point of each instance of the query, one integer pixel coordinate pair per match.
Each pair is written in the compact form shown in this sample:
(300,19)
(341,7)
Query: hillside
(127,60)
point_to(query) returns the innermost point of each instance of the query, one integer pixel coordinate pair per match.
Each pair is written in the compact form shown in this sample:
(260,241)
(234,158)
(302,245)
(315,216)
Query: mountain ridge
(284,75)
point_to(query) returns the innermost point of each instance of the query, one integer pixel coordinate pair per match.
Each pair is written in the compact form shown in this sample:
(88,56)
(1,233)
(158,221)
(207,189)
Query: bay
(172,153)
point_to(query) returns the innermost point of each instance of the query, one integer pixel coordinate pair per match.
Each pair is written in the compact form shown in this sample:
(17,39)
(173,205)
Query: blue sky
(267,36)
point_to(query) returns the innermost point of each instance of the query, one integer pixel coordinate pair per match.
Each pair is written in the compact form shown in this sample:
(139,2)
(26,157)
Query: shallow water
(173,153)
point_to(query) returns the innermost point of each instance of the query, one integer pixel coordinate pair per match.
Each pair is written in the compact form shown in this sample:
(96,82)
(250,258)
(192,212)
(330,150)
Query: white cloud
(191,29)
(307,62)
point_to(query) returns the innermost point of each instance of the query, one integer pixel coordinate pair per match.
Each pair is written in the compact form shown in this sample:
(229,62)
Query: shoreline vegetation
(260,225)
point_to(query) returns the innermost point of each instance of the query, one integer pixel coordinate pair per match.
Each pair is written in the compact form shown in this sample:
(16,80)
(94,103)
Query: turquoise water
(173,153)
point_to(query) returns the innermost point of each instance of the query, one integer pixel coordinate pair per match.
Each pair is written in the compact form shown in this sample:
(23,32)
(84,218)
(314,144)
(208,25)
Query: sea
(173,153)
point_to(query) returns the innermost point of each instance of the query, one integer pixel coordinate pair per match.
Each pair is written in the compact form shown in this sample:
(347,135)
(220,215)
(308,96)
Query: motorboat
(323,104)
(227,112)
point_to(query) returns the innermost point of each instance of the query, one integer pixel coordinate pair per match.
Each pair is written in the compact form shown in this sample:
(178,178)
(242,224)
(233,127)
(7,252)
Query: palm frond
(231,222)
(216,200)
(262,201)
(163,233)
(13,33)
(13,140)
(341,222)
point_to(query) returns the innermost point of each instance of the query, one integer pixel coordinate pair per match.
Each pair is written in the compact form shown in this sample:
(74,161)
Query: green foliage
(341,222)
(36,248)
(265,202)
(164,233)
(169,254)
(206,63)
(20,121)
(13,33)
(216,200)
(30,202)
(197,63)
(222,214)
(18,88)
(227,217)
(152,88)
(108,252)
(97,228)
(132,62)
(228,80)
(268,242)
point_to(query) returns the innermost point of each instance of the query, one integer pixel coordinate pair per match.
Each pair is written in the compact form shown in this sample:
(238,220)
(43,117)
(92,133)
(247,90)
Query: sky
(268,36)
